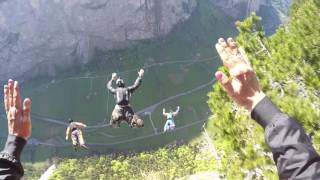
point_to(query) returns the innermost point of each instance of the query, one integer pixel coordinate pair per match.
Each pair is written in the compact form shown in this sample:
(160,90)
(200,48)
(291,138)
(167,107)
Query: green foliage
(165,163)
(288,71)
(34,171)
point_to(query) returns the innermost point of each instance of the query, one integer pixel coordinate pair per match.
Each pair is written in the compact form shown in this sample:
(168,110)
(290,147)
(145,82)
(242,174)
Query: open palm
(18,113)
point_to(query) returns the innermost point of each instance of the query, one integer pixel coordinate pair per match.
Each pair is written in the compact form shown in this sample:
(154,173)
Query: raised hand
(18,114)
(114,76)
(243,87)
(141,73)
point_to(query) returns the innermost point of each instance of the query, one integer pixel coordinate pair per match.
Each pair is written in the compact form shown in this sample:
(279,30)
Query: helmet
(120,82)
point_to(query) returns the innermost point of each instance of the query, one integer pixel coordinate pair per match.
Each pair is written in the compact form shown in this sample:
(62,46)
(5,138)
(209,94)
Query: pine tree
(287,65)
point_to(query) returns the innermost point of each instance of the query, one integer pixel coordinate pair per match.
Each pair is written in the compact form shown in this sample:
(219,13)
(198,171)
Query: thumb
(26,113)
(225,82)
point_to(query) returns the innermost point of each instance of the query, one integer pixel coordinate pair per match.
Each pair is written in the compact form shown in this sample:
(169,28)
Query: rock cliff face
(273,12)
(240,8)
(37,36)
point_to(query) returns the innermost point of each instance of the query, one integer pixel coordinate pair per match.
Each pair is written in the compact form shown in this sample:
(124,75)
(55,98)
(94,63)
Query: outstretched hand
(18,114)
(243,87)
(141,73)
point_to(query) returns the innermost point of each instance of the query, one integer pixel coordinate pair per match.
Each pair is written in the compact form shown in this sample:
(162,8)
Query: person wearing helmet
(169,126)
(122,110)
(76,134)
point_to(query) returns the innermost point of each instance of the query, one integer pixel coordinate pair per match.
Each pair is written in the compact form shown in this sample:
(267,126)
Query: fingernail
(221,40)
(15,83)
(230,39)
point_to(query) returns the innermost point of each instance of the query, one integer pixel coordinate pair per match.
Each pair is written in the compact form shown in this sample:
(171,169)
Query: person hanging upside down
(76,134)
(169,126)
(122,110)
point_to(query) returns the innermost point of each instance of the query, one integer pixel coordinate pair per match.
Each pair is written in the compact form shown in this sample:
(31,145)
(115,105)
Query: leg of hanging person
(81,140)
(166,126)
(116,117)
(133,120)
(172,126)
(128,113)
(139,122)
(74,138)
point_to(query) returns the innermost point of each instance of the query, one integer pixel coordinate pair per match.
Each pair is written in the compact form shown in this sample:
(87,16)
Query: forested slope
(166,163)
(287,64)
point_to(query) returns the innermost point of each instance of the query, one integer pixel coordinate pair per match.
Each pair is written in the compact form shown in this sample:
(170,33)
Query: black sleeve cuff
(14,146)
(264,111)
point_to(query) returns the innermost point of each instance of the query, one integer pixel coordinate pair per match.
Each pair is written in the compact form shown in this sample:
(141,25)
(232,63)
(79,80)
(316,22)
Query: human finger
(244,56)
(6,98)
(222,43)
(224,52)
(10,84)
(220,46)
(225,82)
(16,96)
(27,118)
(26,107)
(233,46)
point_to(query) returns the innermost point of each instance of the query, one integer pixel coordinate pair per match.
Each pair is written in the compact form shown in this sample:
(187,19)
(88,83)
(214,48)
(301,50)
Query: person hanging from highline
(76,134)
(123,110)
(170,125)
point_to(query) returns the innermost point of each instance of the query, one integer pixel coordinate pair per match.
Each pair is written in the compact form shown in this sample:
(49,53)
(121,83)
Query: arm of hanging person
(164,112)
(80,124)
(177,111)
(67,133)
(109,84)
(137,83)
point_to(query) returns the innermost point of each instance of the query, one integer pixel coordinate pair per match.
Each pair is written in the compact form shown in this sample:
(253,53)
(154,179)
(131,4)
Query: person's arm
(138,81)
(67,133)
(109,84)
(177,111)
(19,130)
(81,125)
(164,112)
(291,147)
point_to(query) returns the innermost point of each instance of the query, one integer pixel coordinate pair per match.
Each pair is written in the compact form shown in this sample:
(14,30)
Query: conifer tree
(287,64)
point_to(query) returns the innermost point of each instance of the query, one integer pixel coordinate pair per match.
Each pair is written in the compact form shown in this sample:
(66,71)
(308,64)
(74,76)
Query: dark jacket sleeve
(136,84)
(10,166)
(292,149)
(110,88)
